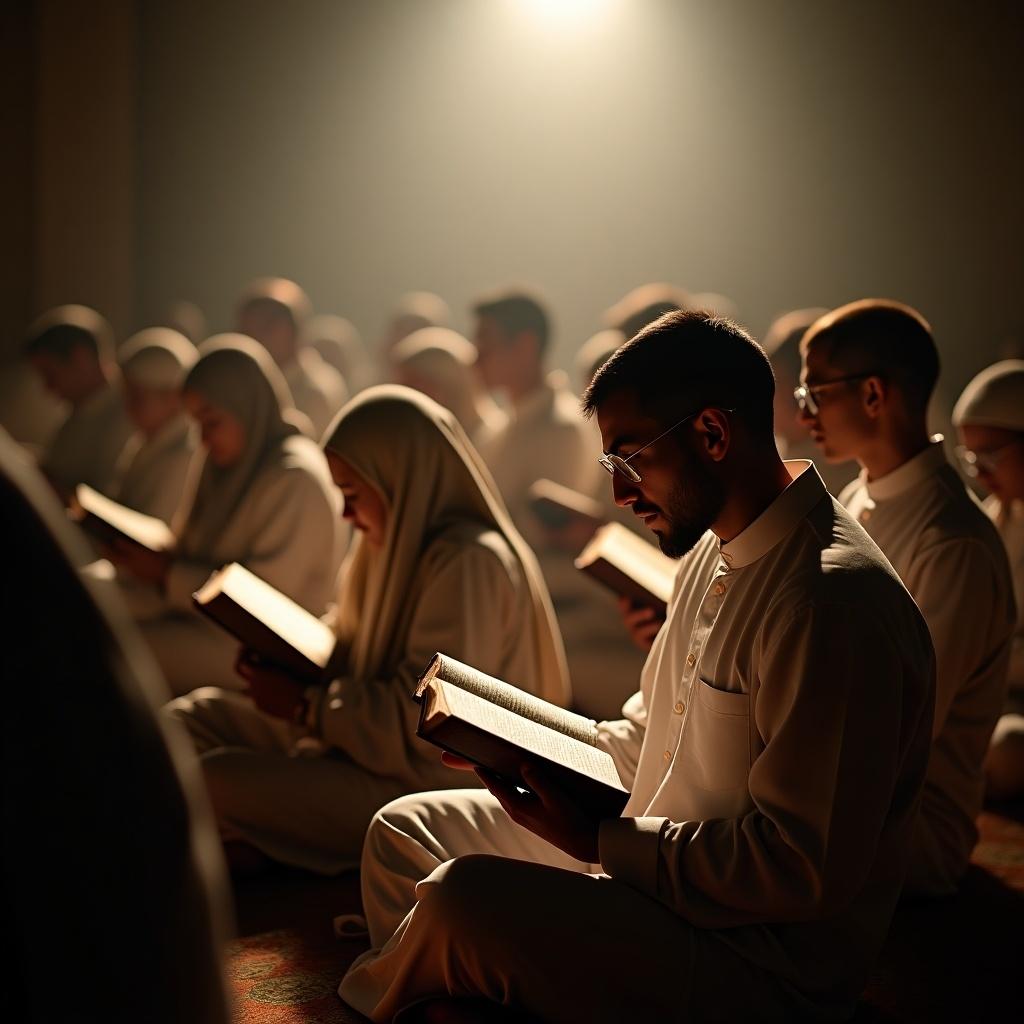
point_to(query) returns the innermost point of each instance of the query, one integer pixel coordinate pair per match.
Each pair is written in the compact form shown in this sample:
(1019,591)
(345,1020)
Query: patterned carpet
(953,960)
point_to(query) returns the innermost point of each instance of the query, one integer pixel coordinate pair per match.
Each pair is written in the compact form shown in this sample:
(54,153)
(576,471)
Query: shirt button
(679,708)
(691,659)
(667,755)
(865,515)
(720,589)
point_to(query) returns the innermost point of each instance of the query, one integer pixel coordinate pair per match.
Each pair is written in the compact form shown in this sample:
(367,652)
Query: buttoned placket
(710,608)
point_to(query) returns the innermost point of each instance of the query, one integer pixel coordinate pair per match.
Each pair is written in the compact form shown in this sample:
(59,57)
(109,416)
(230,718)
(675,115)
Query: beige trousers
(310,812)
(513,920)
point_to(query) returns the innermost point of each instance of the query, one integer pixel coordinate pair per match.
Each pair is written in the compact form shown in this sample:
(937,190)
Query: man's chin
(678,542)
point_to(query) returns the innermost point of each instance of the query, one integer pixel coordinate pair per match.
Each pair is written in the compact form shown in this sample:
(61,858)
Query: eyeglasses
(617,464)
(807,395)
(973,463)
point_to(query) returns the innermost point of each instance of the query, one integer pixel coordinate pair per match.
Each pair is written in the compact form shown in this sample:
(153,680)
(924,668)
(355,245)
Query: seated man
(869,371)
(775,751)
(274,311)
(72,349)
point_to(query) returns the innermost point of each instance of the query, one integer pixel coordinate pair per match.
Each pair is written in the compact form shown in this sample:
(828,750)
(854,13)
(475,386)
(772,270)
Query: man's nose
(624,491)
(804,415)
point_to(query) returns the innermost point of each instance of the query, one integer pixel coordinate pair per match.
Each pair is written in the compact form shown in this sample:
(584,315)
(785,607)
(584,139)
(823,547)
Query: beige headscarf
(416,455)
(236,374)
(444,360)
(157,358)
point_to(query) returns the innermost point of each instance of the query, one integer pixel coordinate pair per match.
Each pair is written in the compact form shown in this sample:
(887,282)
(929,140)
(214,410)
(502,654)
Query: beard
(692,506)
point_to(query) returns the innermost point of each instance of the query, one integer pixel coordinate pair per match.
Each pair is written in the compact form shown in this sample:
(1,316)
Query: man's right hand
(641,621)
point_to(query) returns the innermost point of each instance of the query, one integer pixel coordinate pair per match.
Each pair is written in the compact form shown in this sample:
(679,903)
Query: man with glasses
(869,369)
(989,418)
(774,753)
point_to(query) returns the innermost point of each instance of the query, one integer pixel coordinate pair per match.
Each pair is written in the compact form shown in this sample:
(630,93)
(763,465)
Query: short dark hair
(884,337)
(643,305)
(782,342)
(60,331)
(691,358)
(517,310)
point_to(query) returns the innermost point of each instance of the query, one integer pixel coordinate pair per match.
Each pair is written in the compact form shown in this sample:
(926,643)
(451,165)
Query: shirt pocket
(715,748)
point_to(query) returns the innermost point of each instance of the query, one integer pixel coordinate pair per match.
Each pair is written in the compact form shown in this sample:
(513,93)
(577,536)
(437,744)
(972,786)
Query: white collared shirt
(950,556)
(784,718)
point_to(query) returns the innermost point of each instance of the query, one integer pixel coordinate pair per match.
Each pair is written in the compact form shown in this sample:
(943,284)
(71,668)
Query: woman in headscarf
(436,566)
(989,418)
(263,498)
(151,472)
(439,362)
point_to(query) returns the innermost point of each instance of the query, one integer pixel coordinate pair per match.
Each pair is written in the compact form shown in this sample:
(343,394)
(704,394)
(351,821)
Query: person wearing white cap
(989,418)
(151,472)
(72,350)
(869,370)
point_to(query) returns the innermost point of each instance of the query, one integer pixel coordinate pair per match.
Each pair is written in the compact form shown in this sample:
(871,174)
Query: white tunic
(777,746)
(318,390)
(151,471)
(946,551)
(1010,523)
(89,442)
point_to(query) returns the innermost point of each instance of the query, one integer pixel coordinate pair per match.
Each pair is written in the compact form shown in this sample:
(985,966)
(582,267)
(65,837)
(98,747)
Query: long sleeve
(833,694)
(624,738)
(464,608)
(963,631)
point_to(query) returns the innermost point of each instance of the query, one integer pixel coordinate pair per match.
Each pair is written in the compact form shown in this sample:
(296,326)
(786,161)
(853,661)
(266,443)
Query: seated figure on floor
(990,420)
(152,471)
(775,751)
(436,565)
(263,497)
(869,369)
(72,350)
(113,889)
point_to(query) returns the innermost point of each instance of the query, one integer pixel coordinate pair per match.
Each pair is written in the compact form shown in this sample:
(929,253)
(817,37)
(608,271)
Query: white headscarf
(236,374)
(416,455)
(158,358)
(995,398)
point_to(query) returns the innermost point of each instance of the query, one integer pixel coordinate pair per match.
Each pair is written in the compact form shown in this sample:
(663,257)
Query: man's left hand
(547,812)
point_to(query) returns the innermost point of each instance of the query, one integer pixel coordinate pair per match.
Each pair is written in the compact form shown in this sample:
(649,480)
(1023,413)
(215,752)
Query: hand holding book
(274,691)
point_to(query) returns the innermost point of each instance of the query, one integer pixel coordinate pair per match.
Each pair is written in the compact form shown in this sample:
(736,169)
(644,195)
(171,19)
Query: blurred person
(263,498)
(595,352)
(782,343)
(989,418)
(869,369)
(714,303)
(151,473)
(72,350)
(340,346)
(187,319)
(643,305)
(113,886)
(415,310)
(441,364)
(775,752)
(274,311)
(436,566)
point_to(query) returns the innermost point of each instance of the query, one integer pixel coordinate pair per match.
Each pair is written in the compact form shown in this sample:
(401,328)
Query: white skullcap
(995,398)
(158,358)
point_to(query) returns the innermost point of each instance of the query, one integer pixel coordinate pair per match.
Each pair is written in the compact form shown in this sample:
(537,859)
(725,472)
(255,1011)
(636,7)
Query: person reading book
(435,565)
(774,753)
(869,370)
(263,498)
(151,472)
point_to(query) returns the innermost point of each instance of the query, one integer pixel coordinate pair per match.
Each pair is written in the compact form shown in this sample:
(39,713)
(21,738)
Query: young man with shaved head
(774,753)
(869,369)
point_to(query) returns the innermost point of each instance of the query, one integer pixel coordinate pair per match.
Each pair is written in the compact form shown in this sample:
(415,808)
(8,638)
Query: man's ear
(874,393)
(715,431)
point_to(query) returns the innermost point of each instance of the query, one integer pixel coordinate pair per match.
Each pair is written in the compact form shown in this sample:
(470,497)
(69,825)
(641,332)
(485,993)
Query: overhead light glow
(566,11)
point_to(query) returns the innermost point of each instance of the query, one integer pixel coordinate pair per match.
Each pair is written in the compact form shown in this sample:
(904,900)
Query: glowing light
(566,11)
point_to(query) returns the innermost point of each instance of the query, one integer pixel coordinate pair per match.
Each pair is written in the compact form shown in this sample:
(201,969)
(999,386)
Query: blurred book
(268,622)
(629,565)
(107,521)
(558,507)
(499,727)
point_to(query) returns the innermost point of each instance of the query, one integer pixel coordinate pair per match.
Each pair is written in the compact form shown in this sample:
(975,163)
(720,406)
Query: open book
(499,726)
(106,520)
(630,566)
(267,622)
(557,506)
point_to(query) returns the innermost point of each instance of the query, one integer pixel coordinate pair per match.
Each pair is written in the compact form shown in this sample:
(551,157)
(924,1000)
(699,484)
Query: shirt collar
(779,518)
(923,465)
